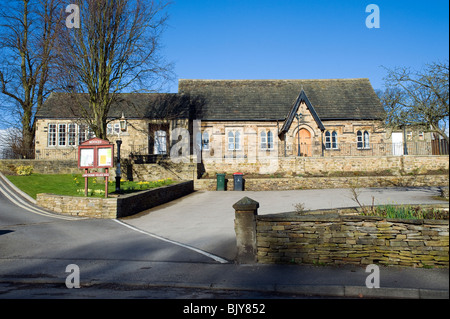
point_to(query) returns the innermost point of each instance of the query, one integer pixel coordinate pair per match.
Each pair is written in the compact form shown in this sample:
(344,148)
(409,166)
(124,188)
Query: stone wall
(323,166)
(265,184)
(42,166)
(361,240)
(116,207)
(284,173)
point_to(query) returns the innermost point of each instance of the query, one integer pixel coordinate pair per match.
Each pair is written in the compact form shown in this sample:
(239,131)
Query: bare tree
(418,97)
(115,49)
(28,33)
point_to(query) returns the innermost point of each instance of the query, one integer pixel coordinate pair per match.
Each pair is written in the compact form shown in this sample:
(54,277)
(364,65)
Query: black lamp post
(118,171)
(123,128)
(299,117)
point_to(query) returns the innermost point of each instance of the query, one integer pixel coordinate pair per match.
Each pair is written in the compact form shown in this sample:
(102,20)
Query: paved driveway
(205,220)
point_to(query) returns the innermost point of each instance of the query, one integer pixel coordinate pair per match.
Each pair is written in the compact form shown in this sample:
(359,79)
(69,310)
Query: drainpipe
(321,142)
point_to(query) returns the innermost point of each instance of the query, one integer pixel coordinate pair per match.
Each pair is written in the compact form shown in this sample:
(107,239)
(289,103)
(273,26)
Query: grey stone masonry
(246,211)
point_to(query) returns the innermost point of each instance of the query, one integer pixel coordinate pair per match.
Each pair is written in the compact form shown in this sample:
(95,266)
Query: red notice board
(96,153)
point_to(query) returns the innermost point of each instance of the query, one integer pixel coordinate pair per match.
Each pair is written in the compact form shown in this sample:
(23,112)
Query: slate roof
(234,100)
(273,99)
(133,105)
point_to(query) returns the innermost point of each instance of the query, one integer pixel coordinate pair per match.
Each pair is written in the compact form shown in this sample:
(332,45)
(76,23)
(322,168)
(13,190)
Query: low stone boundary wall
(322,166)
(43,166)
(339,239)
(122,206)
(289,183)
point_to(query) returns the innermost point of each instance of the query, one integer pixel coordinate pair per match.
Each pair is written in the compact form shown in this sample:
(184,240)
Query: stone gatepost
(246,211)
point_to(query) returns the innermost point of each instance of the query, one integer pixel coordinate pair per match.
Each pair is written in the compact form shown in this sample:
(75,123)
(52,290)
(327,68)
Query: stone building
(237,119)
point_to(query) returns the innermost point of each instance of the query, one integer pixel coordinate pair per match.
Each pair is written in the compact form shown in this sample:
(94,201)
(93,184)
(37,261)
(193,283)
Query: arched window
(234,140)
(334,140)
(230,140)
(263,140)
(359,138)
(270,140)
(331,140)
(366,139)
(237,140)
(363,139)
(267,140)
(327,140)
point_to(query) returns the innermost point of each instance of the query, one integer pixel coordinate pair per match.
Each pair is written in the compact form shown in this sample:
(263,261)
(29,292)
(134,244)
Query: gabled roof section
(301,98)
(240,100)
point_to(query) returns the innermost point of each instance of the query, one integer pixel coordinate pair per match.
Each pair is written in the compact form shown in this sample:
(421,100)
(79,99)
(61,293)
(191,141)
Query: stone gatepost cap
(246,204)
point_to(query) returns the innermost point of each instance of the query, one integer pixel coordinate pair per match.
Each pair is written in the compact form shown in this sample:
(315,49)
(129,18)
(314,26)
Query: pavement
(190,243)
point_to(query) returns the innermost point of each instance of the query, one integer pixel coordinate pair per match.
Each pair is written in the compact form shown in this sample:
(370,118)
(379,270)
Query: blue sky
(296,39)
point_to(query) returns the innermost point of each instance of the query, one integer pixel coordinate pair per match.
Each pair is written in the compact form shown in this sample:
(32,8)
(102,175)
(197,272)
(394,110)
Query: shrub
(24,170)
(406,212)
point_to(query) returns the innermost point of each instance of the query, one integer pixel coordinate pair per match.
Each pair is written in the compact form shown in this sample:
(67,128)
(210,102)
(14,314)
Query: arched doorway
(303,137)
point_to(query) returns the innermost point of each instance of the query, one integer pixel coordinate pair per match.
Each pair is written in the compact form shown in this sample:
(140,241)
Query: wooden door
(304,149)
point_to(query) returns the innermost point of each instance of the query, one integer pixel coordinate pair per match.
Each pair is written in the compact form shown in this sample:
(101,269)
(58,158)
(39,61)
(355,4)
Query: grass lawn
(73,185)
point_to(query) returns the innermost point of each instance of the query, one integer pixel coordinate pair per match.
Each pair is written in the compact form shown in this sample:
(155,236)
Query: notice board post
(94,154)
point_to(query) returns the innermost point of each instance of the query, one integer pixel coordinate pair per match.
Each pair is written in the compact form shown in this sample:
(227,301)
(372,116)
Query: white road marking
(16,200)
(216,258)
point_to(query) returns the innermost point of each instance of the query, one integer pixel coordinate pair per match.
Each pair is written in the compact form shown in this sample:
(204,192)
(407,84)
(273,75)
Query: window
(409,136)
(116,128)
(366,139)
(234,140)
(334,140)
(270,140)
(237,141)
(81,133)
(160,146)
(202,141)
(263,140)
(360,141)
(331,140)
(421,136)
(266,140)
(363,139)
(90,133)
(72,134)
(52,135)
(62,134)
(205,141)
(230,140)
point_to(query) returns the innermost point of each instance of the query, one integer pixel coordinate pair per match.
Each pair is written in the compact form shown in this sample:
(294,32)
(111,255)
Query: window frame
(72,134)
(205,141)
(52,136)
(363,140)
(234,140)
(62,135)
(158,136)
(331,140)
(263,139)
